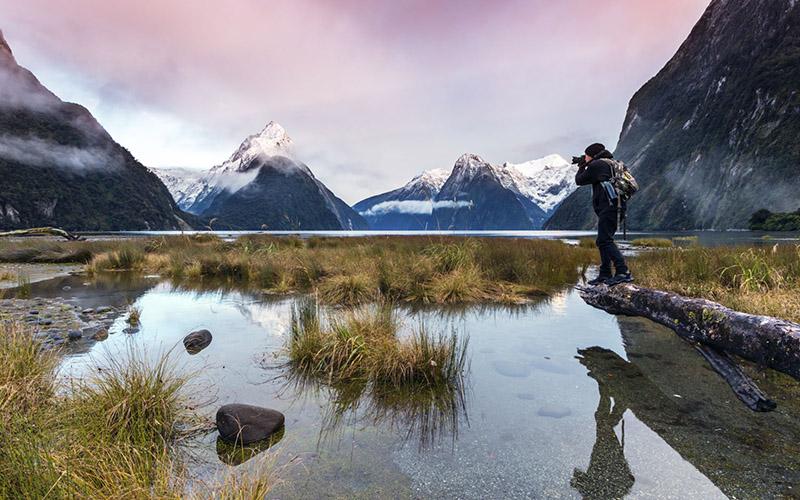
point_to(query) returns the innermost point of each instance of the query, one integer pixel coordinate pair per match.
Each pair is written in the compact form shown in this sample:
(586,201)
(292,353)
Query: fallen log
(767,341)
(37,231)
(743,386)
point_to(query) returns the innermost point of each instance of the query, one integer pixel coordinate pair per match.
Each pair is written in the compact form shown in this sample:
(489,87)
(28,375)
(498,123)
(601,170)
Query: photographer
(596,168)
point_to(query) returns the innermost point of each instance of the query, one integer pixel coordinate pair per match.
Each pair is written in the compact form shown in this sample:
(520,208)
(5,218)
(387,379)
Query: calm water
(563,401)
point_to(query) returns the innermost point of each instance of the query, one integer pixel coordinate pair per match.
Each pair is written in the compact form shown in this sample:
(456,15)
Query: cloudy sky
(371,91)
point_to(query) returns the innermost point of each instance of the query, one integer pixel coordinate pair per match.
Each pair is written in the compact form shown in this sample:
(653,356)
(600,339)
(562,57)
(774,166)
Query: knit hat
(595,149)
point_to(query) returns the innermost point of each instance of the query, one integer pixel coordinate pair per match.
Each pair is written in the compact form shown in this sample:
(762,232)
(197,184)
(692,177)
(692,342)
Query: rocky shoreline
(59,323)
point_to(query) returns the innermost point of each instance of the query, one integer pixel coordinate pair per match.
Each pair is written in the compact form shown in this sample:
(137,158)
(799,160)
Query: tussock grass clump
(754,280)
(134,316)
(127,258)
(363,346)
(652,242)
(136,402)
(112,436)
(587,243)
(350,290)
(26,380)
(463,284)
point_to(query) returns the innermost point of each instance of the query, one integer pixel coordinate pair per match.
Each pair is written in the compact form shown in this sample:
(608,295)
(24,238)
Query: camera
(579,160)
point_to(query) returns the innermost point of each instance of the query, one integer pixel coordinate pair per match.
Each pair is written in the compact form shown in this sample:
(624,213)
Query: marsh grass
(134,315)
(371,374)
(111,436)
(364,345)
(587,243)
(23,286)
(126,258)
(754,280)
(347,271)
(652,242)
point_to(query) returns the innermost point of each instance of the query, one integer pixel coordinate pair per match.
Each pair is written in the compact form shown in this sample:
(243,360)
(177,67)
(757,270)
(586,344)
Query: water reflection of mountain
(670,389)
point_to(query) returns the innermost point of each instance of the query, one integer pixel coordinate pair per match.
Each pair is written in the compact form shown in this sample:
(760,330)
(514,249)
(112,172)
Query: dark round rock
(245,424)
(197,341)
(74,334)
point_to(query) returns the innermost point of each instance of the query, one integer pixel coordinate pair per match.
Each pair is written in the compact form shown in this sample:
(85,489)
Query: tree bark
(53,231)
(765,340)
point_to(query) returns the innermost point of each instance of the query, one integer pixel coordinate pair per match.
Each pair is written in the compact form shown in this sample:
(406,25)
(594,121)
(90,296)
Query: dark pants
(606,227)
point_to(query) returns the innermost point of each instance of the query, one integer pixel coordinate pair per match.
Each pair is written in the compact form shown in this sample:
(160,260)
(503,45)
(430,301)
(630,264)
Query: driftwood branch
(715,329)
(37,231)
(743,386)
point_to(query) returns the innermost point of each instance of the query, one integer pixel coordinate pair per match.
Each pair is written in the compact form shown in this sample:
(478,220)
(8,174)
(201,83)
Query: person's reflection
(608,475)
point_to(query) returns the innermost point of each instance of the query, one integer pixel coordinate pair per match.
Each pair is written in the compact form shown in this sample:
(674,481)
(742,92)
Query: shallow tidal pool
(561,401)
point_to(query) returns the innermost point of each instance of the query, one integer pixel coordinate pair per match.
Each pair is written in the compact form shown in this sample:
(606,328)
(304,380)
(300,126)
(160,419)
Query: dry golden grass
(754,280)
(652,242)
(343,270)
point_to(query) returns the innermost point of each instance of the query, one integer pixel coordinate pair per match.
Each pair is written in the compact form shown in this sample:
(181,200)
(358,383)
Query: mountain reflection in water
(529,421)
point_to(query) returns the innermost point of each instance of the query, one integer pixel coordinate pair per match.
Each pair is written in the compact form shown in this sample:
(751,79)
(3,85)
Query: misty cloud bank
(414,207)
(37,152)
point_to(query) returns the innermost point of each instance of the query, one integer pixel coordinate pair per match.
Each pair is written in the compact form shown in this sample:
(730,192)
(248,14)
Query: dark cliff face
(59,167)
(714,136)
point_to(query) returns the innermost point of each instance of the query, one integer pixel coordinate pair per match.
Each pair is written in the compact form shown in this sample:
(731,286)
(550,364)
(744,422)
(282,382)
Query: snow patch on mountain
(271,141)
(181,182)
(546,181)
(432,179)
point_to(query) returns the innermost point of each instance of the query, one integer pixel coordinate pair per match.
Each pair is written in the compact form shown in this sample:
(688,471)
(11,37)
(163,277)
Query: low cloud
(413,207)
(41,153)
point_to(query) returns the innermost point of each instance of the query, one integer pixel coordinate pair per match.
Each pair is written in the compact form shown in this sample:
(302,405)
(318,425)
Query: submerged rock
(236,454)
(197,341)
(245,424)
(100,334)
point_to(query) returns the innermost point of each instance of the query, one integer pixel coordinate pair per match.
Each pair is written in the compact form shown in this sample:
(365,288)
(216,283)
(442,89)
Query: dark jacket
(595,172)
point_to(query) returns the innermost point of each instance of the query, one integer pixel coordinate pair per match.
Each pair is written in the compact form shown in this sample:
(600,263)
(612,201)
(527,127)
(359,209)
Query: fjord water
(562,401)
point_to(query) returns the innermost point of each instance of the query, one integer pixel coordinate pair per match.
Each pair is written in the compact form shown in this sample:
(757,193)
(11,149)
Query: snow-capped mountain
(522,195)
(546,181)
(479,195)
(180,182)
(263,186)
(405,208)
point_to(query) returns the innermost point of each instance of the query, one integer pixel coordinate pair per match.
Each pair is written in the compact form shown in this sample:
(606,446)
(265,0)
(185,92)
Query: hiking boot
(600,280)
(620,278)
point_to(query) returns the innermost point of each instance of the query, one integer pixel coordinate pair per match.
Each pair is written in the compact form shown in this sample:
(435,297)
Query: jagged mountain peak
(469,161)
(272,140)
(434,178)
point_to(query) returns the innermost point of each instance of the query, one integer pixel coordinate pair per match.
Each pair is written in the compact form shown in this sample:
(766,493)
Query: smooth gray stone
(245,424)
(197,341)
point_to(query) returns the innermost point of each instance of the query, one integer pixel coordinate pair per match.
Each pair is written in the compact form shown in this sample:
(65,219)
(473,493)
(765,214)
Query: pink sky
(371,91)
